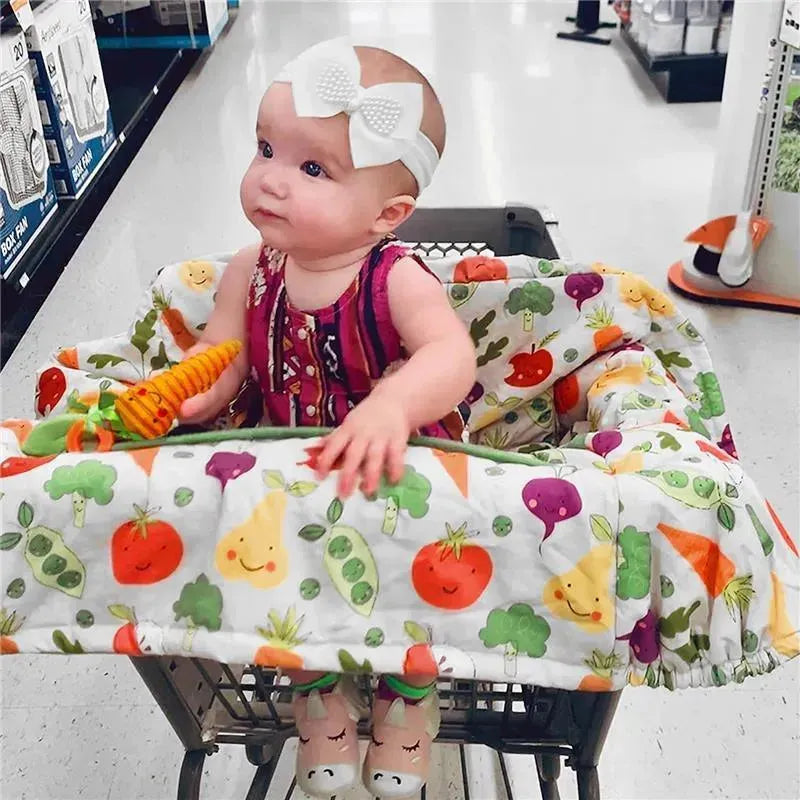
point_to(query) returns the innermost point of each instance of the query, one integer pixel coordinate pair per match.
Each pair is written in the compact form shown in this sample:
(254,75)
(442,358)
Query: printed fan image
(21,145)
(85,89)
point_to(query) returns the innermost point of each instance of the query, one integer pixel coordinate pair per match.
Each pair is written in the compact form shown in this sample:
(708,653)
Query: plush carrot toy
(145,411)
(150,407)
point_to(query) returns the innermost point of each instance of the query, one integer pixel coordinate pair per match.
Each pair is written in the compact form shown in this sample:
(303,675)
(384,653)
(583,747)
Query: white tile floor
(531,119)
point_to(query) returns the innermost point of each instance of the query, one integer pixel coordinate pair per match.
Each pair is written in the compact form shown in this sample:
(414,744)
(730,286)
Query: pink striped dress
(313,367)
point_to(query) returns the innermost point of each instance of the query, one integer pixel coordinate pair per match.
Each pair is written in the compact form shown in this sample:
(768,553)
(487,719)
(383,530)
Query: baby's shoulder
(409,268)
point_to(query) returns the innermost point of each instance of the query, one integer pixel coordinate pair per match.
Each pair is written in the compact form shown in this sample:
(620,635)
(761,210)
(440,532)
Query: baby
(345,328)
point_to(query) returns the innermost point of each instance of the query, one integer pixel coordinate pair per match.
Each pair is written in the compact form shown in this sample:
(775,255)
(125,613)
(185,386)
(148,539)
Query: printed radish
(475,394)
(603,442)
(583,286)
(643,639)
(229,466)
(551,500)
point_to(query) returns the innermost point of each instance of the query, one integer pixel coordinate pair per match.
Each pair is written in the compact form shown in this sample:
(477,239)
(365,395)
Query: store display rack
(140,83)
(682,78)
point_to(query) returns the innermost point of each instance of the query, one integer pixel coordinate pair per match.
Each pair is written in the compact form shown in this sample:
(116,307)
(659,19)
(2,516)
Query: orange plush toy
(149,408)
(146,411)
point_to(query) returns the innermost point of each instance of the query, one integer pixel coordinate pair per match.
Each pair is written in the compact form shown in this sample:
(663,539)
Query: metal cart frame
(210,704)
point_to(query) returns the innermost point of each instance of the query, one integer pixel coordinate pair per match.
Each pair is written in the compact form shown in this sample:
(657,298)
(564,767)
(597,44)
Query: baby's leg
(405,722)
(326,711)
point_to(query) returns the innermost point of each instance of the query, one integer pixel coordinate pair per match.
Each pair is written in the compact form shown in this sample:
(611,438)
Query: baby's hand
(206,406)
(371,440)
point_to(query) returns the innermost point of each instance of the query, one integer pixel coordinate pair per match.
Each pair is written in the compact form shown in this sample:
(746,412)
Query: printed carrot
(145,457)
(713,567)
(595,683)
(606,332)
(173,319)
(705,447)
(673,419)
(457,468)
(150,407)
(68,357)
(782,530)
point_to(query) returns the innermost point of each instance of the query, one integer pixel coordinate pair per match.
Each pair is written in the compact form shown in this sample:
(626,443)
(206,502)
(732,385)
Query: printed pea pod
(351,567)
(690,488)
(53,564)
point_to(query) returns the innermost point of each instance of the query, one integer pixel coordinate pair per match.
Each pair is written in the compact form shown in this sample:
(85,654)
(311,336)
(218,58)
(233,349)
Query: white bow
(384,119)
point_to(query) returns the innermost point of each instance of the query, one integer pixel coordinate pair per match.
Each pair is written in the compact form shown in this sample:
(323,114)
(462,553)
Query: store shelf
(682,78)
(140,84)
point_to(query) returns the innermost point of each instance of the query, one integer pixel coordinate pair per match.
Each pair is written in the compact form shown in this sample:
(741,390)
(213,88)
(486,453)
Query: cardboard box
(27,194)
(174,24)
(71,91)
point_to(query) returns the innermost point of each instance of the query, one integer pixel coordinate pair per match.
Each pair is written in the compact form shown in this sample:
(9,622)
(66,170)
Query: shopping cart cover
(597,529)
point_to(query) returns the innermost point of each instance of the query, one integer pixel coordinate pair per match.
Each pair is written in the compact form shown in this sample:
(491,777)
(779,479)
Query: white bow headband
(384,119)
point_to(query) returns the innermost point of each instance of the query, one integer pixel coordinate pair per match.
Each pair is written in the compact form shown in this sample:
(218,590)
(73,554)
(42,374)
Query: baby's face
(301,190)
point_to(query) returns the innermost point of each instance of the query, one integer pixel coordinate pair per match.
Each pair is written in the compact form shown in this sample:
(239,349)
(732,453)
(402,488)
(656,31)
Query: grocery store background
(578,128)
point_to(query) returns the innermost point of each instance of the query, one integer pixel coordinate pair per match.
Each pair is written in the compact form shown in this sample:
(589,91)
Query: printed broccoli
(633,571)
(411,495)
(711,402)
(532,298)
(520,630)
(87,480)
(201,602)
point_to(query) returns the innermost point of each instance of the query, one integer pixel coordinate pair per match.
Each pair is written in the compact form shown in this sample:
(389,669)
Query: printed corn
(150,407)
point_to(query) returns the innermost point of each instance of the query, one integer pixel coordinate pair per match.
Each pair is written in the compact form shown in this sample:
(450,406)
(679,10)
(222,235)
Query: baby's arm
(227,321)
(437,376)
(441,369)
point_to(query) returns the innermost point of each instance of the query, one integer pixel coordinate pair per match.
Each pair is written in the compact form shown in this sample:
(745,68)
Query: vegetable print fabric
(598,530)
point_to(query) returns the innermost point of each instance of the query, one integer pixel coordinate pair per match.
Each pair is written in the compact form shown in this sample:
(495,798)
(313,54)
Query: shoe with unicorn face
(327,719)
(399,753)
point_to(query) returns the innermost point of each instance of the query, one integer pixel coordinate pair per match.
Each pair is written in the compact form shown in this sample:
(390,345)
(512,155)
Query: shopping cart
(210,704)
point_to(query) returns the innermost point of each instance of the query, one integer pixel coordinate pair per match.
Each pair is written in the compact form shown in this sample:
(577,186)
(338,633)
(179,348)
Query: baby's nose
(274,182)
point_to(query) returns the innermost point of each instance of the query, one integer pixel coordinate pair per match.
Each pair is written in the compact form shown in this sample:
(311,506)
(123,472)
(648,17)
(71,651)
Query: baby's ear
(396,210)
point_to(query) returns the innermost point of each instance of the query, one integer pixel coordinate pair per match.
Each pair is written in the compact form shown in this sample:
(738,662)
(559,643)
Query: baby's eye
(313,169)
(266,149)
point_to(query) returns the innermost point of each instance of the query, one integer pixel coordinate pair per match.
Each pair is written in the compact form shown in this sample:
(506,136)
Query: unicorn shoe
(327,717)
(405,722)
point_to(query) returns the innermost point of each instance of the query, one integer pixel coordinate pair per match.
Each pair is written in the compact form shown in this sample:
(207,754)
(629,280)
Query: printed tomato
(125,641)
(145,550)
(419,660)
(453,572)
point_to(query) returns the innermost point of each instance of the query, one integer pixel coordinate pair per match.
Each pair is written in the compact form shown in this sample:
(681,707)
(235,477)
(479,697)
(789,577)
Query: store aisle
(531,119)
